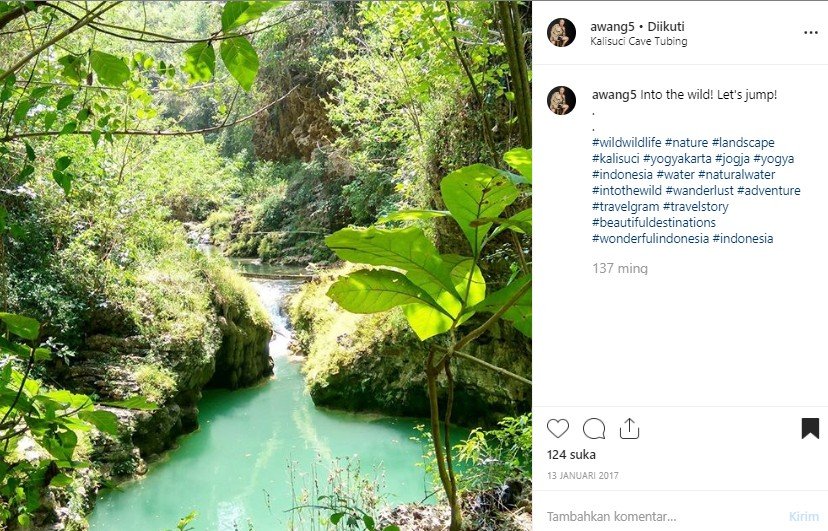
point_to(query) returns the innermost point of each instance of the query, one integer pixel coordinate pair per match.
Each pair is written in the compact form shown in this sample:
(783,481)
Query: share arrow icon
(628,430)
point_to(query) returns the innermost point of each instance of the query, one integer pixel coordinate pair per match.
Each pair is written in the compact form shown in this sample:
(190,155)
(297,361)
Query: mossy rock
(375,363)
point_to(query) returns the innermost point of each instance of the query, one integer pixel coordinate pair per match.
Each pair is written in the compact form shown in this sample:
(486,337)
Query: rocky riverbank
(229,348)
(507,508)
(375,363)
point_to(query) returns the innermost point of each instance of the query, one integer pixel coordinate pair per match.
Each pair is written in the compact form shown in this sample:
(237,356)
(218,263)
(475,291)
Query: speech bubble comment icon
(595,429)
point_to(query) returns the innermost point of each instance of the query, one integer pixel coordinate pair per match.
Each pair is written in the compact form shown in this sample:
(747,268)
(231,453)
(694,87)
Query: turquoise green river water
(234,471)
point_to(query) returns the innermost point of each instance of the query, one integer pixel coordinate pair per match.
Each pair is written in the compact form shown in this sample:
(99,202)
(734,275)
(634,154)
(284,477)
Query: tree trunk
(516,54)
(441,455)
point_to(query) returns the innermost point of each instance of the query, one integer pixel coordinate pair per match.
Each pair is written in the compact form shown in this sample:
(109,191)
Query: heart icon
(557,427)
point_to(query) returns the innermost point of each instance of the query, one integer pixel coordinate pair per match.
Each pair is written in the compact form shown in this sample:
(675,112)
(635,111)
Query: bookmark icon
(810,426)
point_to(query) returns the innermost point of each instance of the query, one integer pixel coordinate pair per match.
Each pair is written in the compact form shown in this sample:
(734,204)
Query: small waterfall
(273,294)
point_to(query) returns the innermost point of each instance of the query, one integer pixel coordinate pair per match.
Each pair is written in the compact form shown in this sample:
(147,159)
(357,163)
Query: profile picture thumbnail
(561,32)
(561,100)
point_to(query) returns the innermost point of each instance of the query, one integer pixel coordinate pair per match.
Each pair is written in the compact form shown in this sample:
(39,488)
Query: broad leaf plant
(439,292)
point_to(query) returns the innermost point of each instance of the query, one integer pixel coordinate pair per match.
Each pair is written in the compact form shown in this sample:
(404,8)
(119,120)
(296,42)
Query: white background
(720,350)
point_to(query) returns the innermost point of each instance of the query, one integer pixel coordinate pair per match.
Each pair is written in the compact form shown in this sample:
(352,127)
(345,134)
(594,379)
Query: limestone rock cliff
(231,350)
(375,363)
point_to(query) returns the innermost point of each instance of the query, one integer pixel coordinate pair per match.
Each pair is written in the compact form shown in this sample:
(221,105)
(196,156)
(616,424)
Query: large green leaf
(407,249)
(64,179)
(241,60)
(39,92)
(236,14)
(413,215)
(521,160)
(49,120)
(8,396)
(20,325)
(472,290)
(61,446)
(16,349)
(468,281)
(22,110)
(66,399)
(372,291)
(112,71)
(474,192)
(200,62)
(8,88)
(24,174)
(43,354)
(65,101)
(520,222)
(136,402)
(72,65)
(519,313)
(60,480)
(69,128)
(106,421)
(426,321)
(61,163)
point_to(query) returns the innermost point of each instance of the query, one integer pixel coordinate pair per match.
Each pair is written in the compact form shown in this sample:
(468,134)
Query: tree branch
(18,12)
(495,368)
(25,377)
(86,19)
(447,433)
(477,332)
(134,132)
(487,126)
(22,30)
(150,90)
(160,38)
(434,409)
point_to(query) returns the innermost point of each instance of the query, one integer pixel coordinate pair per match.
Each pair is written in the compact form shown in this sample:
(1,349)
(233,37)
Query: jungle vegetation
(130,132)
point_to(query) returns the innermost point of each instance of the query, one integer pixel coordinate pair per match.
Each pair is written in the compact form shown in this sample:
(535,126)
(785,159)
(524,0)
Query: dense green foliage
(91,242)
(114,254)
(439,287)
(438,293)
(359,156)
(41,429)
(114,260)
(487,458)
(130,132)
(494,456)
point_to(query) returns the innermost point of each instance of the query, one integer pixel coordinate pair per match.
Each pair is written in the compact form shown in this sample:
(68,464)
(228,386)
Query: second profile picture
(561,32)
(561,100)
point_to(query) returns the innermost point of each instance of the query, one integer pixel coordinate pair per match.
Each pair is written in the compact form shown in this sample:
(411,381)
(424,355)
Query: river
(235,471)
